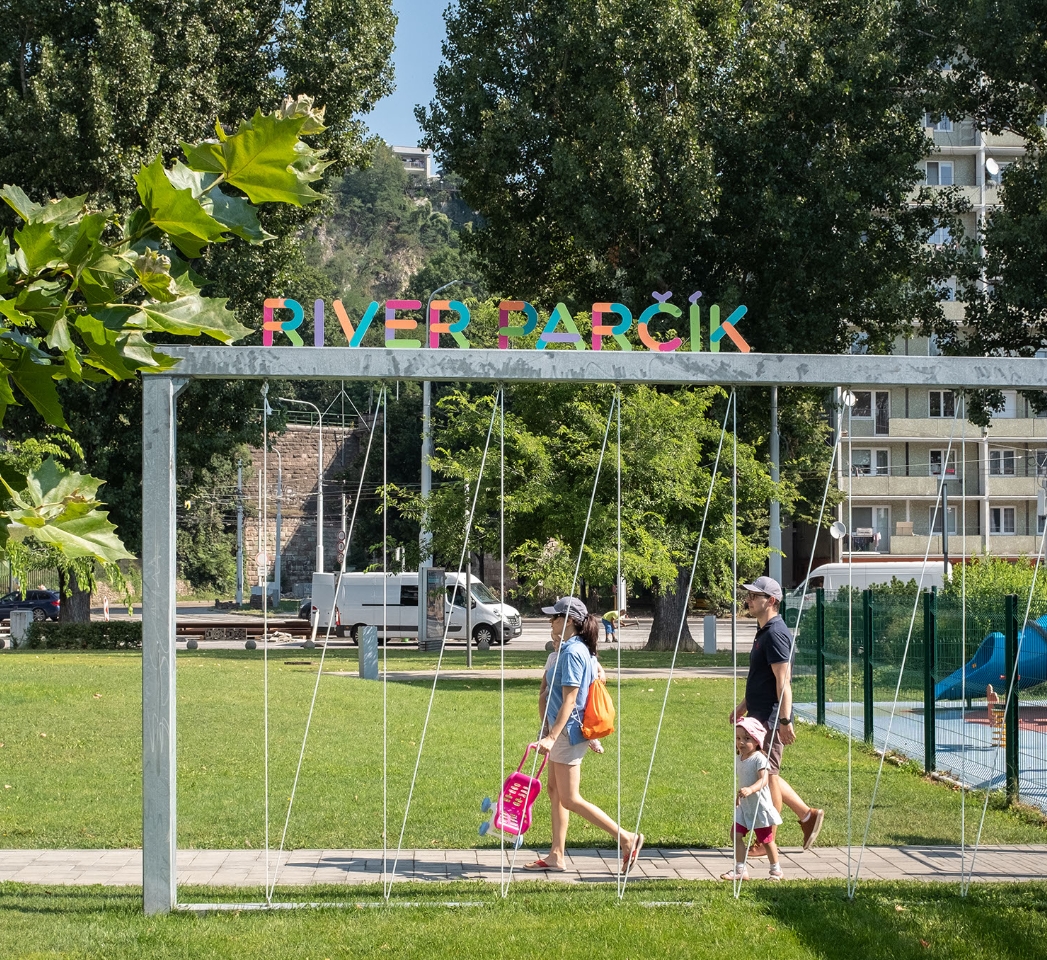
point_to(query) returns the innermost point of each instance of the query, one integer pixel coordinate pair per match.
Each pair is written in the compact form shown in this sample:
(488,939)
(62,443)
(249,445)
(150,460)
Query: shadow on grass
(1007,922)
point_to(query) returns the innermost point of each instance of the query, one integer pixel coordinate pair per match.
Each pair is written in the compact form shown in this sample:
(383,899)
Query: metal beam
(596,366)
(159,819)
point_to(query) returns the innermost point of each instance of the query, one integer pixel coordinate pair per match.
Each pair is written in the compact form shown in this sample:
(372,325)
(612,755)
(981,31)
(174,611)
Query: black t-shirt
(773,644)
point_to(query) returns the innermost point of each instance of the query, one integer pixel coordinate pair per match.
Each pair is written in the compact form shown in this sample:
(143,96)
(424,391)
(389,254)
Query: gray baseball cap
(569,607)
(765,585)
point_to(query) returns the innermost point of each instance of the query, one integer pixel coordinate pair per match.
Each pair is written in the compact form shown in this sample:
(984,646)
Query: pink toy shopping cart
(512,811)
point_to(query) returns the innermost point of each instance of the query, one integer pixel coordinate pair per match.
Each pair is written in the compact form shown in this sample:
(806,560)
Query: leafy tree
(84,286)
(762,153)
(554,435)
(104,87)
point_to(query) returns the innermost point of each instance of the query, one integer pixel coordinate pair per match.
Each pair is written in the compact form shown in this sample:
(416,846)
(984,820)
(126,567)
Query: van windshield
(482,593)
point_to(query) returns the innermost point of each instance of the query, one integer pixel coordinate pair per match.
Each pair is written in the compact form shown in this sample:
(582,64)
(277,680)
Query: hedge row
(97,635)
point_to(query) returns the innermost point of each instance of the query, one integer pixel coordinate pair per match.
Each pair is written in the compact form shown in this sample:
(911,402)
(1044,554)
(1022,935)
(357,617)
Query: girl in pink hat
(754,809)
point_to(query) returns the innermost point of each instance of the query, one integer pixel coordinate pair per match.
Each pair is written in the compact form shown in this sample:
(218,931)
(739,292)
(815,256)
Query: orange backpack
(598,720)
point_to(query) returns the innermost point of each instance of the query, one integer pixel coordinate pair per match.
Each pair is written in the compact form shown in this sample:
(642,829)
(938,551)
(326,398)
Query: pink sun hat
(754,728)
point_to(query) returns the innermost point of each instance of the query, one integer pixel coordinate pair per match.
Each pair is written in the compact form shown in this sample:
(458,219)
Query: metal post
(425,539)
(1010,616)
(774,538)
(159,539)
(867,660)
(945,524)
(930,642)
(469,615)
(239,533)
(819,664)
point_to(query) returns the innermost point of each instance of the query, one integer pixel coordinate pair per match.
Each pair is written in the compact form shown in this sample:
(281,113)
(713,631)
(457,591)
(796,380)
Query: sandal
(734,874)
(541,864)
(629,860)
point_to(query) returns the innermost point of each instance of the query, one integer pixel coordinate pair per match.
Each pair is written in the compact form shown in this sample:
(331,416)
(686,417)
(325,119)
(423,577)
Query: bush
(98,635)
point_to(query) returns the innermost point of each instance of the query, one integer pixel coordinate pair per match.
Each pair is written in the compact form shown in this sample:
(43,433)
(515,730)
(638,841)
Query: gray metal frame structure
(160,398)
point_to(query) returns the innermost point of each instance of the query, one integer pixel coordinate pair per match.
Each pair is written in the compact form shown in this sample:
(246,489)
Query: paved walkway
(247,868)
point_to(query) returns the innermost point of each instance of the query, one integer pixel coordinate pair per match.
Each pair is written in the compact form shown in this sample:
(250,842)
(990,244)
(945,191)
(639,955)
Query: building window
(940,124)
(946,291)
(941,237)
(870,463)
(1001,463)
(942,403)
(939,173)
(937,457)
(862,409)
(1001,520)
(997,177)
(1010,405)
(936,526)
(1041,463)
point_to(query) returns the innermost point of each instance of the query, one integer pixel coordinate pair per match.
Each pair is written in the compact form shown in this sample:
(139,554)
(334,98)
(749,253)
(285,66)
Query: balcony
(1018,488)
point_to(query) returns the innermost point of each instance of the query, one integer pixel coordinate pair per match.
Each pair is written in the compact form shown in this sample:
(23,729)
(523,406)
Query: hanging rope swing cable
(852,884)
(388,882)
(799,619)
(323,651)
(683,621)
(1012,691)
(615,399)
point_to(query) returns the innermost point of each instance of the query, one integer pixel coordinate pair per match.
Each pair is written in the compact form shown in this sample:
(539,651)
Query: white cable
(1011,691)
(323,652)
(574,581)
(905,653)
(683,615)
(265,616)
(443,643)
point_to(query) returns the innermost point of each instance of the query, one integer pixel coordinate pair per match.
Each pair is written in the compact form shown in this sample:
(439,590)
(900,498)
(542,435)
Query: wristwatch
(785,721)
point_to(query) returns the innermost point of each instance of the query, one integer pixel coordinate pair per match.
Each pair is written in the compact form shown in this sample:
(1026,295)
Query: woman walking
(575,634)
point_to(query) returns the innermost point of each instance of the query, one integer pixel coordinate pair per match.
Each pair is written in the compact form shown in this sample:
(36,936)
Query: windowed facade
(870,462)
(939,173)
(940,461)
(1001,463)
(942,403)
(936,523)
(1001,521)
(940,124)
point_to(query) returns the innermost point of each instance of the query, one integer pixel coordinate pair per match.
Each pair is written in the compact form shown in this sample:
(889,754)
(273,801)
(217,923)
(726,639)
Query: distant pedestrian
(754,809)
(769,698)
(610,624)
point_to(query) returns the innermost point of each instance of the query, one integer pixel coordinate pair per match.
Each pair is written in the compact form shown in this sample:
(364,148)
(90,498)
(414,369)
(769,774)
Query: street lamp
(425,541)
(319,482)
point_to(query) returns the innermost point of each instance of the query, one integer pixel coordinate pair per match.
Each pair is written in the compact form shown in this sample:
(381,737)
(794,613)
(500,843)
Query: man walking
(769,698)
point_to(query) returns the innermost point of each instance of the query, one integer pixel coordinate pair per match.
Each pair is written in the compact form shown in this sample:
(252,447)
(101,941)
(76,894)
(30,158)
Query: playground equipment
(989,665)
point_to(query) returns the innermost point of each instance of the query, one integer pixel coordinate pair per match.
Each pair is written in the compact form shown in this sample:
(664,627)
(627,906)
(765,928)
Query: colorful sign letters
(516,319)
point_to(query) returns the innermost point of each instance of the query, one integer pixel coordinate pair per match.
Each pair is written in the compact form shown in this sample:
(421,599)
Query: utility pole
(774,540)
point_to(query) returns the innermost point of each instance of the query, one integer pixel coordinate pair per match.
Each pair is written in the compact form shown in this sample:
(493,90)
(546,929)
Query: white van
(860,575)
(390,602)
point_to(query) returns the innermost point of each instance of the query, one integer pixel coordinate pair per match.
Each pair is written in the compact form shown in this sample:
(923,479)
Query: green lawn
(71,760)
(788,921)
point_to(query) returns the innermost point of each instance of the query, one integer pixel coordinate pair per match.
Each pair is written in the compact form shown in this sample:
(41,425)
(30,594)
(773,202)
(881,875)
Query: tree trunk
(76,603)
(669,608)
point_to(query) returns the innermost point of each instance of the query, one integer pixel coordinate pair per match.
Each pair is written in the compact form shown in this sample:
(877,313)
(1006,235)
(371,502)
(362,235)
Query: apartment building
(900,443)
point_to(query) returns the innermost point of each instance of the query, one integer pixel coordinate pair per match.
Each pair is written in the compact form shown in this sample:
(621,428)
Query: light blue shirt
(573,668)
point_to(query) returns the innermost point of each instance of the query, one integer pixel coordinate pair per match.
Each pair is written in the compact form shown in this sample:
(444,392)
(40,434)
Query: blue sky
(418,37)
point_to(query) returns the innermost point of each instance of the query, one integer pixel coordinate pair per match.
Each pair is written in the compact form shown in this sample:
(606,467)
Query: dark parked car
(45,604)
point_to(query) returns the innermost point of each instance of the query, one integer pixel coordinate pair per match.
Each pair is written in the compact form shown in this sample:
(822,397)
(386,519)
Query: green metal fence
(868,663)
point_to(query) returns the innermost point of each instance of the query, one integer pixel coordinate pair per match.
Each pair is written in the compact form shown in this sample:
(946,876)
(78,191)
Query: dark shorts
(762,834)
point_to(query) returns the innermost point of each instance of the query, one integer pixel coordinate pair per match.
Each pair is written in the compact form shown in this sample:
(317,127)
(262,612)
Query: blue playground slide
(988,664)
